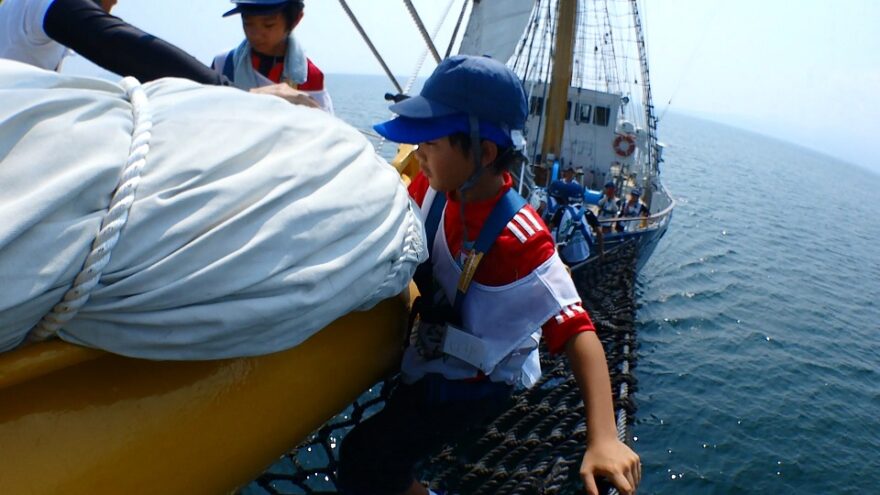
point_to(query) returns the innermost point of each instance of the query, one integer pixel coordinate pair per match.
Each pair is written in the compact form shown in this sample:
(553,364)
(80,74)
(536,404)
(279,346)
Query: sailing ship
(585,68)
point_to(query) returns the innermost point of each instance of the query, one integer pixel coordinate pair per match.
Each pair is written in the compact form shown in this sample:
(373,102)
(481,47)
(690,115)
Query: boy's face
(266,33)
(446,166)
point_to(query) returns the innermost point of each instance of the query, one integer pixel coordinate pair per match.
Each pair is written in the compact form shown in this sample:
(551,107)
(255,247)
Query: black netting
(535,447)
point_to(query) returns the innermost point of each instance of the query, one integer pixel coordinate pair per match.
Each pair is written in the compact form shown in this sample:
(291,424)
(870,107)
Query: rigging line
(455,31)
(550,25)
(418,69)
(529,40)
(421,26)
(713,12)
(372,47)
(415,74)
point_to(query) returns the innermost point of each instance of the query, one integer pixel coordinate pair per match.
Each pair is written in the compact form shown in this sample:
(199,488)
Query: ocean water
(759,314)
(759,321)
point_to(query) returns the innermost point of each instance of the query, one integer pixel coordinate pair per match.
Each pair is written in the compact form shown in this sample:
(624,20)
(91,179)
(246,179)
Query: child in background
(270,53)
(492,285)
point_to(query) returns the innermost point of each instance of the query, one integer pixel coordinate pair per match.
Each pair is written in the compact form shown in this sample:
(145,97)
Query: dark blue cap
(257,7)
(575,192)
(558,189)
(468,85)
(611,183)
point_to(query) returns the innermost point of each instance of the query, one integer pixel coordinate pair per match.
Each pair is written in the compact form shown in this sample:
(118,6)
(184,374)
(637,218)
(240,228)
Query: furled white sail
(255,222)
(495,27)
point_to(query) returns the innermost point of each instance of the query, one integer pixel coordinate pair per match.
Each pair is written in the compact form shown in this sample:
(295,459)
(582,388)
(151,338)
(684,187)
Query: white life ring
(624,145)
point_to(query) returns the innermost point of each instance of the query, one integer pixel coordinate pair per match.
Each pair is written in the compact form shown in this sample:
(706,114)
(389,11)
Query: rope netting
(535,446)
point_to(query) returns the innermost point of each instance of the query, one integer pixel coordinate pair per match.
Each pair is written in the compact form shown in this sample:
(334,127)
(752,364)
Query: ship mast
(651,119)
(560,79)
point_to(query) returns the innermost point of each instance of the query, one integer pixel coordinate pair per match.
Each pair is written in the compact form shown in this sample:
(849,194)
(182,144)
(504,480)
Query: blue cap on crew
(460,86)
(610,183)
(558,189)
(637,192)
(257,7)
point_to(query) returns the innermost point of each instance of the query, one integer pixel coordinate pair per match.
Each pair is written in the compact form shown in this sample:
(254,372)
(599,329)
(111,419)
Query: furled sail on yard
(243,236)
(495,27)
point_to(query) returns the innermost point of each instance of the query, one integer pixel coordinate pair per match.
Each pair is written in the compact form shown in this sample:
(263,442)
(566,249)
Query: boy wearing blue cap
(575,228)
(492,285)
(270,53)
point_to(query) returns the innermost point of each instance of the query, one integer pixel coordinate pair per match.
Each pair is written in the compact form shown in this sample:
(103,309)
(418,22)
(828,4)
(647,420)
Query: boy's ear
(489,152)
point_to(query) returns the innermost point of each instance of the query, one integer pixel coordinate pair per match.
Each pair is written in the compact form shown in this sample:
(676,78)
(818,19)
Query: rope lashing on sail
(535,446)
(113,222)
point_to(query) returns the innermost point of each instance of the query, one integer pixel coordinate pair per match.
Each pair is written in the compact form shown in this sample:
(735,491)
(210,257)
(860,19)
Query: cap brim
(419,107)
(414,131)
(408,130)
(247,9)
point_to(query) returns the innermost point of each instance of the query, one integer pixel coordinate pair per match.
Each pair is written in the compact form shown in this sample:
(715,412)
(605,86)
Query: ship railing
(654,220)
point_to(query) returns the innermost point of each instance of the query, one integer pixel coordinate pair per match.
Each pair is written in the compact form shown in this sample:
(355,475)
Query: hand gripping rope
(112,223)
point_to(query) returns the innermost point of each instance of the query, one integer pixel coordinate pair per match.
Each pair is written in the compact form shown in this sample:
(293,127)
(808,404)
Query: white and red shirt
(523,246)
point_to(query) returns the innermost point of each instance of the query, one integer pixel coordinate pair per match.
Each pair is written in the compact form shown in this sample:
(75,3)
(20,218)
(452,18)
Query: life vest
(552,206)
(573,239)
(496,329)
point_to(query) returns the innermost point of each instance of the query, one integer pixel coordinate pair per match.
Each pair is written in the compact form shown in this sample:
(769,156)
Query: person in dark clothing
(40,33)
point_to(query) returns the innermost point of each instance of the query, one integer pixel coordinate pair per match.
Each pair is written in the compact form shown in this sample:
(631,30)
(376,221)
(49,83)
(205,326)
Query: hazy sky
(807,71)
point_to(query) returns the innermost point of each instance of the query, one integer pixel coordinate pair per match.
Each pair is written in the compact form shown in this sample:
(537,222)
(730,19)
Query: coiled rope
(112,223)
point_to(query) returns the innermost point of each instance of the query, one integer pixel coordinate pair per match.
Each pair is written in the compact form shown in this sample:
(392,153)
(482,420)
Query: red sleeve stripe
(569,312)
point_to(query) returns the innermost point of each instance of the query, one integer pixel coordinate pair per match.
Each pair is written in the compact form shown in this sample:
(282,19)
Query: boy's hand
(284,91)
(613,460)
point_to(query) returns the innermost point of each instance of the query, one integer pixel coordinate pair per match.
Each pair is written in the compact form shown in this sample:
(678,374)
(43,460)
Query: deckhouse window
(583,113)
(568,111)
(603,115)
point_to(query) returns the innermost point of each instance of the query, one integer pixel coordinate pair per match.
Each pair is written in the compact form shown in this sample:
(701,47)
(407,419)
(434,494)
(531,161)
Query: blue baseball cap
(636,191)
(611,183)
(258,7)
(575,192)
(461,86)
(558,189)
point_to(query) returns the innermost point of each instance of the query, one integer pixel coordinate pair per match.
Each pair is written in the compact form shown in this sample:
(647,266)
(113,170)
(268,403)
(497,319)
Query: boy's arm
(606,455)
